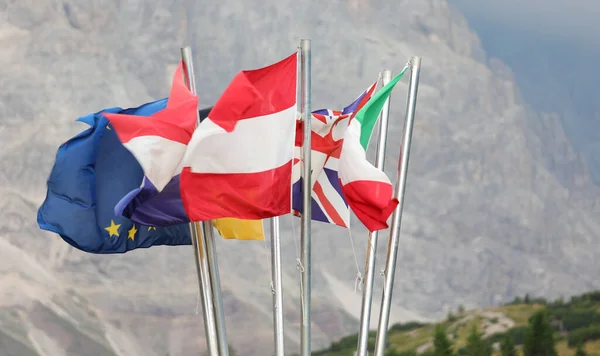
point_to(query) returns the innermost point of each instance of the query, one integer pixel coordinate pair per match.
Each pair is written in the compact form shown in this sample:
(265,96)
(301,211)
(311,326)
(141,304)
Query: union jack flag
(328,128)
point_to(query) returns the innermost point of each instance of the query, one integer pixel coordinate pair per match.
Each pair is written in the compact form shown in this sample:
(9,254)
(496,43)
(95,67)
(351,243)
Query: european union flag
(92,172)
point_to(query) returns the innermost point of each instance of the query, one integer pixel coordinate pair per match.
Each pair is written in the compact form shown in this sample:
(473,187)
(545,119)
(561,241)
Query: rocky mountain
(498,204)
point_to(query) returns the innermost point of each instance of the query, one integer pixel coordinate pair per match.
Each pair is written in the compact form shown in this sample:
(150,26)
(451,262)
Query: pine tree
(580,351)
(539,340)
(476,346)
(441,344)
(507,347)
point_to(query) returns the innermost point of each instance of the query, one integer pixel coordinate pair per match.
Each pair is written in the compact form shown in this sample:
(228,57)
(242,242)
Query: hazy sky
(575,20)
(553,48)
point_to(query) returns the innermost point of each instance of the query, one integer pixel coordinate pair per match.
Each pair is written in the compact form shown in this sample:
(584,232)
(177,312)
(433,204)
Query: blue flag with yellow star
(92,172)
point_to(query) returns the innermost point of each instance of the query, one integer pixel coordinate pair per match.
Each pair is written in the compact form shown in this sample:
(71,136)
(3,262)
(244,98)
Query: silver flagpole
(305,221)
(211,254)
(367,297)
(277,288)
(390,265)
(210,325)
(199,232)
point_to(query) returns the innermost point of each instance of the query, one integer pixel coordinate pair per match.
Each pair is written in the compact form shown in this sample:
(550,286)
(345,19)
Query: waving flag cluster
(225,168)
(235,164)
(228,159)
(158,143)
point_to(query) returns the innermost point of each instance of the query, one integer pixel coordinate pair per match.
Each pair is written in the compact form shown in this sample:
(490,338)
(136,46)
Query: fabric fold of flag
(146,205)
(367,189)
(238,163)
(342,177)
(92,171)
(159,142)
(328,128)
(240,229)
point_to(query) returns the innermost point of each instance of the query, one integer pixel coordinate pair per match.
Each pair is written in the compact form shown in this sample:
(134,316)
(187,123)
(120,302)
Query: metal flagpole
(390,265)
(199,232)
(305,238)
(367,297)
(211,253)
(210,326)
(277,288)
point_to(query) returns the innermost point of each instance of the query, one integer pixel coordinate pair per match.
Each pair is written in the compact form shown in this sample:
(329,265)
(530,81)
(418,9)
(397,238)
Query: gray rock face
(497,203)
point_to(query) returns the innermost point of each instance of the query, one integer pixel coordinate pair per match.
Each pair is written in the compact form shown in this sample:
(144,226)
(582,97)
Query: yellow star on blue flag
(113,229)
(131,232)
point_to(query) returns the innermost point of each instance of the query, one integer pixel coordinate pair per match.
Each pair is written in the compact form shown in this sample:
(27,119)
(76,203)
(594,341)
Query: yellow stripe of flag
(230,228)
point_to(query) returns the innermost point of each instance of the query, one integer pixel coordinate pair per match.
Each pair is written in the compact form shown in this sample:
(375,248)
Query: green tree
(507,347)
(476,346)
(441,345)
(461,309)
(580,351)
(526,299)
(539,340)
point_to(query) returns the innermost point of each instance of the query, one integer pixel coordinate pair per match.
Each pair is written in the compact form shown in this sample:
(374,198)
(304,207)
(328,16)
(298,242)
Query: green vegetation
(539,340)
(580,351)
(527,326)
(476,346)
(441,344)
(507,347)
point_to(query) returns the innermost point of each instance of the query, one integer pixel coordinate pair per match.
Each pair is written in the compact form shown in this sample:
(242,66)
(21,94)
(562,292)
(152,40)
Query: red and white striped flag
(239,161)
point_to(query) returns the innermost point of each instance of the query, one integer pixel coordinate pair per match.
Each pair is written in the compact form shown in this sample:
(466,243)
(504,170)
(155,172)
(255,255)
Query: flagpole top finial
(305,44)
(415,62)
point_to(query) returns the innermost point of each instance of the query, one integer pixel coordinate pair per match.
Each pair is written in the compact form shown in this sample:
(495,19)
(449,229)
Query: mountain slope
(497,203)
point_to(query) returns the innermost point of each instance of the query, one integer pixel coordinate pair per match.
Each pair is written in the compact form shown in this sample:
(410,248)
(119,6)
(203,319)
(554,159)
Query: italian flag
(367,189)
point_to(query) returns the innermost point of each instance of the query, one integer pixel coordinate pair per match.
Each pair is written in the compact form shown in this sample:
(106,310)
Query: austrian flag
(239,161)
(234,168)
